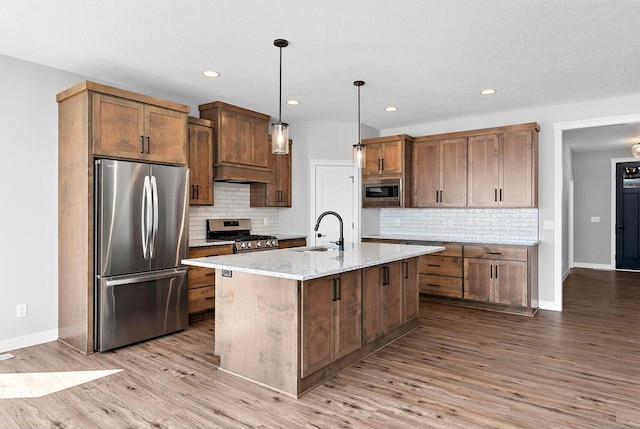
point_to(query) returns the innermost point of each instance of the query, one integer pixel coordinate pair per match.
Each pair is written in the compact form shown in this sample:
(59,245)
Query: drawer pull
(210,274)
(494,253)
(433,285)
(209,298)
(432,265)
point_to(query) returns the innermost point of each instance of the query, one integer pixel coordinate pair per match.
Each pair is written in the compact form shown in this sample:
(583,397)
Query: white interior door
(334,187)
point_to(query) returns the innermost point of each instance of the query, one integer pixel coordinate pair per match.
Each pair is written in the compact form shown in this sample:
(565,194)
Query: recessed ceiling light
(293,102)
(488,91)
(210,73)
(390,109)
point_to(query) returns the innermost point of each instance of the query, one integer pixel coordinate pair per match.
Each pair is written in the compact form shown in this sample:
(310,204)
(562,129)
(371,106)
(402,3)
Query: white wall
(29,190)
(592,198)
(546,116)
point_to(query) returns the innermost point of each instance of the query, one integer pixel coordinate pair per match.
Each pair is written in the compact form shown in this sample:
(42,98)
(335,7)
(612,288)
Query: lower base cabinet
(202,282)
(331,319)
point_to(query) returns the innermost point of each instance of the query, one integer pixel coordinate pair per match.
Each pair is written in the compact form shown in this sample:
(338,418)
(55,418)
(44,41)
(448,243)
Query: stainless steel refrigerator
(141,219)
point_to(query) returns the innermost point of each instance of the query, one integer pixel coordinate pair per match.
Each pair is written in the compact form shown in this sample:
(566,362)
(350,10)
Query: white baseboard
(565,274)
(605,267)
(549,305)
(28,340)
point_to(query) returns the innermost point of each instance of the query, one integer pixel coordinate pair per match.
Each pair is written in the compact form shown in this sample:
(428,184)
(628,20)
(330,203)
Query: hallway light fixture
(635,150)
(280,133)
(358,148)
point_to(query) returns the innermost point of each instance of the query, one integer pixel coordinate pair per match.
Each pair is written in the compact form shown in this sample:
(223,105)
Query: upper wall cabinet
(439,172)
(390,158)
(125,128)
(200,161)
(503,167)
(278,192)
(241,143)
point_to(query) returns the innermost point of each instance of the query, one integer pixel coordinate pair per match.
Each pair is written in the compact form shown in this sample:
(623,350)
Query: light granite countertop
(461,240)
(296,264)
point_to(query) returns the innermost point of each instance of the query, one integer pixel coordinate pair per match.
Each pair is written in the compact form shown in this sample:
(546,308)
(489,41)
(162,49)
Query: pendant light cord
(280,100)
(359,141)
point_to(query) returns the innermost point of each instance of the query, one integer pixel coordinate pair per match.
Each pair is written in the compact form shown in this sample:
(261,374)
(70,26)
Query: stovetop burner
(239,231)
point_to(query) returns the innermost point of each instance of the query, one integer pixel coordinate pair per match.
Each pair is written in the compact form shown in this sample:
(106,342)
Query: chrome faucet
(340,242)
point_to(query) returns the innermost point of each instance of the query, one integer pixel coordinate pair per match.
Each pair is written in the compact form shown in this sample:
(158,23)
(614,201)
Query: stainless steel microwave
(382,193)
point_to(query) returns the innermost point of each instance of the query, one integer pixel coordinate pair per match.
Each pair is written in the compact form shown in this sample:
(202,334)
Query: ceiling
(429,58)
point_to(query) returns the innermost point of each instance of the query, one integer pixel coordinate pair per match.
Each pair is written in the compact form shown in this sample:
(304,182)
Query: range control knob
(248,245)
(258,244)
(243,245)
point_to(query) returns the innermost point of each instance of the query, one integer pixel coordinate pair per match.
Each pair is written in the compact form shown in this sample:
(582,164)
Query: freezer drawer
(136,308)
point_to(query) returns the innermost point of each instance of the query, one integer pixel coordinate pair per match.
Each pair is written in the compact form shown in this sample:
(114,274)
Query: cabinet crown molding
(88,85)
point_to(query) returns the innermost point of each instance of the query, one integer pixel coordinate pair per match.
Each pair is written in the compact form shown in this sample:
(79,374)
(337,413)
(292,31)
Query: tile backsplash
(231,200)
(473,224)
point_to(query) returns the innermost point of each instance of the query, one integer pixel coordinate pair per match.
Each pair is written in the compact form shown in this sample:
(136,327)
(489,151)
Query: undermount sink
(314,249)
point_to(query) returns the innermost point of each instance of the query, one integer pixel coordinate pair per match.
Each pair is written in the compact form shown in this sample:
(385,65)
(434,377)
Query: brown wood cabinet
(96,120)
(200,161)
(294,242)
(331,323)
(241,143)
(503,168)
(440,274)
(202,282)
(390,158)
(410,289)
(382,300)
(129,129)
(501,275)
(278,192)
(439,172)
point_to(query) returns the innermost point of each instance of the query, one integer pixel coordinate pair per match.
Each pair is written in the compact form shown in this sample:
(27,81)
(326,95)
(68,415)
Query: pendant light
(280,133)
(635,150)
(359,148)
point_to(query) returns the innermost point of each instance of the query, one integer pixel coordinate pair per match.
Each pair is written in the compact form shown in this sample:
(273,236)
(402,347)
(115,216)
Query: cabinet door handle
(379,165)
(405,265)
(437,200)
(490,271)
(495,194)
(500,194)
(141,144)
(441,200)
(385,276)
(192,197)
(339,281)
(148,143)
(382,164)
(197,192)
(335,289)
(496,272)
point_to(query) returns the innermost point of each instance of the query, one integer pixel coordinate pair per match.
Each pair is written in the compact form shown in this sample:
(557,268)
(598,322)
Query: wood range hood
(241,142)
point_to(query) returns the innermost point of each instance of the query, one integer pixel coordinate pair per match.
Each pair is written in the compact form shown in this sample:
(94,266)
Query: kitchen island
(290,319)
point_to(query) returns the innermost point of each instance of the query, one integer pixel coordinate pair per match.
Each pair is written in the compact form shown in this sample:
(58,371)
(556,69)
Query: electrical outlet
(595,218)
(21,310)
(548,224)
(507,224)
(397,221)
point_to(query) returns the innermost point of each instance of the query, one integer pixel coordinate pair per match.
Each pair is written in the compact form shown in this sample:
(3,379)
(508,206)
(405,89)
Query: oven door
(382,193)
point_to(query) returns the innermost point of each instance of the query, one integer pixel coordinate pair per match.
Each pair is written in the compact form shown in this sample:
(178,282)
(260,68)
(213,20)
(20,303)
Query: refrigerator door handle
(154,198)
(146,217)
(127,280)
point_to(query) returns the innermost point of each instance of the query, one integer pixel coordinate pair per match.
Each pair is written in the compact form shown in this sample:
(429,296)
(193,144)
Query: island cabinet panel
(294,242)
(382,300)
(411,289)
(132,130)
(256,328)
(330,319)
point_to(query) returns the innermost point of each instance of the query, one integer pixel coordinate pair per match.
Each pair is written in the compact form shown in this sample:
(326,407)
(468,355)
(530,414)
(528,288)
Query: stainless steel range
(239,231)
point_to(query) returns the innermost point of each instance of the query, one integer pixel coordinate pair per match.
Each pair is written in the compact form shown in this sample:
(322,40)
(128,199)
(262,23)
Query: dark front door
(628,215)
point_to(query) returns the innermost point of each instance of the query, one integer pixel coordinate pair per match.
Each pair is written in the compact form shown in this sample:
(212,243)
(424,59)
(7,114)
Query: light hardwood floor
(460,368)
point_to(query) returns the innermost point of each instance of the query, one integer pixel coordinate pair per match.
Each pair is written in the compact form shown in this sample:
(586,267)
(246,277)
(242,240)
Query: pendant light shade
(358,148)
(280,132)
(635,150)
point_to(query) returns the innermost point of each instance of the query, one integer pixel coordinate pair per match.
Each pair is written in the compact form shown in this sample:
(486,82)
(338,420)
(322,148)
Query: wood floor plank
(461,367)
